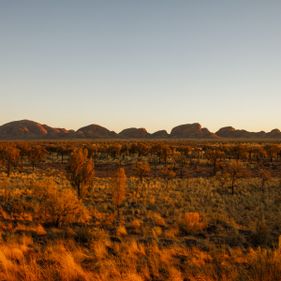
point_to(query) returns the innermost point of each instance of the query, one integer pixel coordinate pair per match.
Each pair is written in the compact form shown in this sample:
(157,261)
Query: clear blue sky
(148,63)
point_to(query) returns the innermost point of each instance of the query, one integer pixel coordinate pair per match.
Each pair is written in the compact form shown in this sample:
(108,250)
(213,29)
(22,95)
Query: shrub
(60,207)
(136,224)
(121,231)
(192,222)
(156,218)
(119,190)
(81,170)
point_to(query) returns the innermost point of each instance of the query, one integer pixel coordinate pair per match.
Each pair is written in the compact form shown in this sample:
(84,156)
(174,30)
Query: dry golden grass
(194,229)
(23,259)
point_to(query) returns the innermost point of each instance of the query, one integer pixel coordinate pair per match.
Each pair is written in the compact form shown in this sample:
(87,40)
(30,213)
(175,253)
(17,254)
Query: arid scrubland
(140,211)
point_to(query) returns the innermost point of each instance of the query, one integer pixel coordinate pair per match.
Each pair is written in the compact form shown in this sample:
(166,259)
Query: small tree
(119,190)
(81,170)
(214,155)
(62,150)
(36,154)
(272,151)
(235,170)
(24,148)
(10,156)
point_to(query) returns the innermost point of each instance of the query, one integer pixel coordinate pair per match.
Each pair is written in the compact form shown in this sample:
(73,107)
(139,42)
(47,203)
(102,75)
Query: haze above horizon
(153,64)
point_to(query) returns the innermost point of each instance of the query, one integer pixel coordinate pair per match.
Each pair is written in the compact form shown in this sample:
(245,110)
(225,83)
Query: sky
(150,63)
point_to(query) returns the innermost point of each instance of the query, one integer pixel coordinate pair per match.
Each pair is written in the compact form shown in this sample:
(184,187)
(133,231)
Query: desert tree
(143,149)
(155,152)
(260,153)
(103,151)
(81,170)
(36,154)
(161,151)
(234,170)
(62,151)
(133,149)
(24,148)
(114,150)
(92,150)
(256,152)
(124,150)
(119,190)
(214,155)
(9,155)
(272,151)
(238,151)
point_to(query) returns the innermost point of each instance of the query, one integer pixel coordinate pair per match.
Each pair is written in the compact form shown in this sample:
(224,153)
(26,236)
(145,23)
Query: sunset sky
(149,63)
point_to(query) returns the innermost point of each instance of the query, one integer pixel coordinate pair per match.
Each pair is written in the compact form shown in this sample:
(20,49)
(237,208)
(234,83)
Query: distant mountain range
(26,129)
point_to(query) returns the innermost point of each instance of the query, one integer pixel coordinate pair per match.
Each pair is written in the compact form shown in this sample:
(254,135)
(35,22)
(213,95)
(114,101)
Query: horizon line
(137,127)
